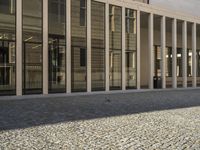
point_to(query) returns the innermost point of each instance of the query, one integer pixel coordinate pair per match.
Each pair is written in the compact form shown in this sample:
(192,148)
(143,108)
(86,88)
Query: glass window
(168,62)
(131,49)
(83,12)
(7,48)
(7,6)
(98,46)
(57,45)
(79,43)
(32,46)
(115,55)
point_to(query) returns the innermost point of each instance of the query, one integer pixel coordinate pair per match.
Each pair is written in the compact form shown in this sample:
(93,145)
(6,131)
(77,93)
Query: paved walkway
(150,120)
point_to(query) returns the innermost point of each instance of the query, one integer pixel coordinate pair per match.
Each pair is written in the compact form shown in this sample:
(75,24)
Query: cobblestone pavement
(151,120)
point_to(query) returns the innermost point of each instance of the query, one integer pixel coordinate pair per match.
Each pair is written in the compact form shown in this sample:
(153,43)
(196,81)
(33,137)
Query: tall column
(107,47)
(123,49)
(45,47)
(88,45)
(138,49)
(194,58)
(163,47)
(184,42)
(19,48)
(174,53)
(151,57)
(68,46)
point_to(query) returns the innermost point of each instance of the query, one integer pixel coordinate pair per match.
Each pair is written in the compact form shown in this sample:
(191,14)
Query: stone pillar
(151,50)
(163,50)
(88,46)
(123,49)
(68,46)
(194,58)
(138,49)
(174,53)
(107,47)
(19,48)
(184,53)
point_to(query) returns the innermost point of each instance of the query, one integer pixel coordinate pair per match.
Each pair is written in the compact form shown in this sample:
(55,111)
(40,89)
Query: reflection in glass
(168,67)
(115,55)
(7,47)
(57,36)
(179,68)
(98,46)
(79,47)
(189,68)
(32,46)
(131,49)
(198,67)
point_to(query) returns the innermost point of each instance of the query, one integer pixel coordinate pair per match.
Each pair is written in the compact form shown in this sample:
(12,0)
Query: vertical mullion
(19,47)
(194,61)
(138,49)
(174,53)
(88,45)
(151,52)
(123,49)
(68,46)
(107,46)
(163,47)
(45,46)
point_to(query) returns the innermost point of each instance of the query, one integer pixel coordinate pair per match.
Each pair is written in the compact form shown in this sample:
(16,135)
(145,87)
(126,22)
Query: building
(64,46)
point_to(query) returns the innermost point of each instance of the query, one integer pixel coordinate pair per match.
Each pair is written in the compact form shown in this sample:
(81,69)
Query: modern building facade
(66,46)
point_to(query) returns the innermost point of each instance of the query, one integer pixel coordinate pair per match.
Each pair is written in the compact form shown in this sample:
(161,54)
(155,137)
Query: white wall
(190,6)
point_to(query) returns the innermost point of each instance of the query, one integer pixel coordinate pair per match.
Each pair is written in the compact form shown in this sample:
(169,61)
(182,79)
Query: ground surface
(150,120)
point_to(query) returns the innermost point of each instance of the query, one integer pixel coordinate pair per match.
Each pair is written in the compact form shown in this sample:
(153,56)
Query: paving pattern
(151,120)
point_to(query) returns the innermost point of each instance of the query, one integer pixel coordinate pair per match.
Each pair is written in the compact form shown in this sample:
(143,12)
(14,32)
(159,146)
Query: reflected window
(131,49)
(115,54)
(78,46)
(7,47)
(98,46)
(32,46)
(83,12)
(57,46)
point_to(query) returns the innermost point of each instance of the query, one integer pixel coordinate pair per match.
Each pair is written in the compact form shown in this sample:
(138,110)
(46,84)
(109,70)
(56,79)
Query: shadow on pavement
(15,114)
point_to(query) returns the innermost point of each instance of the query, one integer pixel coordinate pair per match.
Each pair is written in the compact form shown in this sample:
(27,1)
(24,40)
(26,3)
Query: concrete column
(194,58)
(45,47)
(163,50)
(19,47)
(88,45)
(123,49)
(174,53)
(138,49)
(68,46)
(184,53)
(151,50)
(107,47)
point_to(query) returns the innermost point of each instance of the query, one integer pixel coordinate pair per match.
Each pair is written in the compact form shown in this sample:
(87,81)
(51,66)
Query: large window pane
(115,47)
(98,46)
(57,42)
(79,46)
(131,49)
(32,46)
(179,68)
(7,47)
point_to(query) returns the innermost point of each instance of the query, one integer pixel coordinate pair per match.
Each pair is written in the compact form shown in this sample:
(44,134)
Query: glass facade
(7,47)
(32,46)
(98,46)
(115,44)
(131,49)
(57,45)
(67,34)
(79,46)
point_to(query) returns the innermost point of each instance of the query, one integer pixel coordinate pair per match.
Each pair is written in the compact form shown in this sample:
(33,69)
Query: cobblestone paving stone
(170,121)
